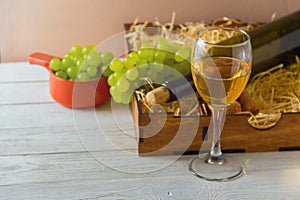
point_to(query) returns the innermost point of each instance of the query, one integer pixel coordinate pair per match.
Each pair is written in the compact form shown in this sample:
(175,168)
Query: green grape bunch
(82,64)
(148,63)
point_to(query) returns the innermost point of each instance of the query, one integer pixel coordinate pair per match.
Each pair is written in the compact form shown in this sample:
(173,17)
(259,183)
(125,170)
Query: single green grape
(112,80)
(123,84)
(116,65)
(134,55)
(119,74)
(159,56)
(84,56)
(61,74)
(178,57)
(183,67)
(132,74)
(147,54)
(76,50)
(142,62)
(87,49)
(117,95)
(55,64)
(66,63)
(79,61)
(91,71)
(129,62)
(72,72)
(93,46)
(82,65)
(112,90)
(82,76)
(75,58)
(69,55)
(93,59)
(106,57)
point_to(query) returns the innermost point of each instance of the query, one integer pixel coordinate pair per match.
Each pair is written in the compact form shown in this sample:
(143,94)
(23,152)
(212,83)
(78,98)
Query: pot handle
(42,59)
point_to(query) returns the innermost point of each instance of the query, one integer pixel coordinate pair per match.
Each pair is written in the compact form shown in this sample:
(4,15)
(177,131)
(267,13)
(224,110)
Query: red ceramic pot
(73,94)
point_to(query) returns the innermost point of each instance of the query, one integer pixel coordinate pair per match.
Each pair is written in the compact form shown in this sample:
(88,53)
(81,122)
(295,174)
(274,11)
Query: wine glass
(221,66)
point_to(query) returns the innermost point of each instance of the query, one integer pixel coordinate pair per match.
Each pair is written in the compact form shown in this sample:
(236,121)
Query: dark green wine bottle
(275,42)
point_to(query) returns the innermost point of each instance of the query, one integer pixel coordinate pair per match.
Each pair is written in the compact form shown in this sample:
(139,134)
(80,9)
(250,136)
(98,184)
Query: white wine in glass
(221,67)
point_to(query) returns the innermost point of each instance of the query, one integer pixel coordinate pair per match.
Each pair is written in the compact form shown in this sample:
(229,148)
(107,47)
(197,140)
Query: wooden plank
(78,175)
(22,72)
(53,114)
(39,140)
(34,115)
(24,92)
(51,140)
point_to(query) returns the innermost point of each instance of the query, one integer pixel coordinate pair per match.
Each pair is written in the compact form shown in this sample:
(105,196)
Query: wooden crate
(162,138)
(237,134)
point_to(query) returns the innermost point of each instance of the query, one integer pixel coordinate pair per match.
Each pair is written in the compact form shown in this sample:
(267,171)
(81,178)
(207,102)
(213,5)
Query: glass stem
(215,156)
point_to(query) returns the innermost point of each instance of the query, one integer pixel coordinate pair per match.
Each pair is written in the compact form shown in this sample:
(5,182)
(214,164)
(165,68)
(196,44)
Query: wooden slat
(22,93)
(52,140)
(34,115)
(22,71)
(39,140)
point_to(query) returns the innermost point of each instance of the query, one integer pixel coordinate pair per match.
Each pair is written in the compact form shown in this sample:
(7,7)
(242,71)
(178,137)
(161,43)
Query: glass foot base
(224,169)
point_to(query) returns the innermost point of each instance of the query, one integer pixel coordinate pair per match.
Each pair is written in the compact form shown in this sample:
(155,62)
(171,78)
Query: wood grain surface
(158,133)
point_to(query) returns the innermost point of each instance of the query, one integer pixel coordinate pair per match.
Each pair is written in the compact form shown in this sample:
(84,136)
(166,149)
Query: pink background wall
(53,26)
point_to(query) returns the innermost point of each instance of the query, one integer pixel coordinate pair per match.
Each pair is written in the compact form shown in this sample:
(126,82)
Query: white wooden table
(48,151)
